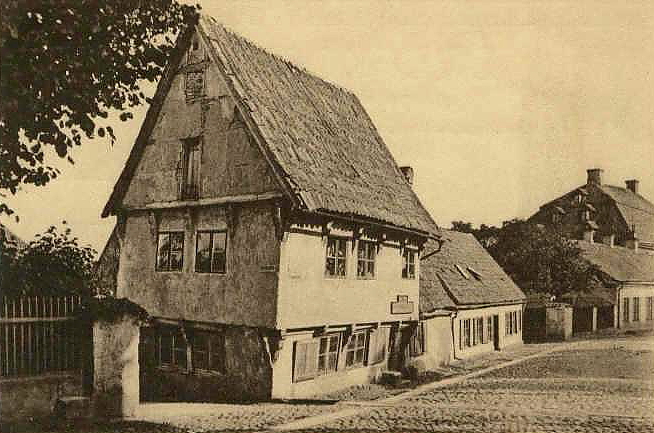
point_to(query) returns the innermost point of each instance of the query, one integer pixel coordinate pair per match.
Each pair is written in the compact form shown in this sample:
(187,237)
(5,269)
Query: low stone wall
(34,396)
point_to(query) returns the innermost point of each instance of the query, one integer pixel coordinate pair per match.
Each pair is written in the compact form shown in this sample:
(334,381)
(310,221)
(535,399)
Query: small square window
(211,252)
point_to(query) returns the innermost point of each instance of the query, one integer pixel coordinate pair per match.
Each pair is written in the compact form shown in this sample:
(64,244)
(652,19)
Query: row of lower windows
(337,255)
(192,350)
(474,331)
(631,309)
(323,355)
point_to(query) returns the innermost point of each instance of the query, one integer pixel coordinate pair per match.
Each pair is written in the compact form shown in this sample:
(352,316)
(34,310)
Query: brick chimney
(407,171)
(632,185)
(594,176)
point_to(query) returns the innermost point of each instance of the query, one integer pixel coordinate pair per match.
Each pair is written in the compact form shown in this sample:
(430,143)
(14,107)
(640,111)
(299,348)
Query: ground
(604,385)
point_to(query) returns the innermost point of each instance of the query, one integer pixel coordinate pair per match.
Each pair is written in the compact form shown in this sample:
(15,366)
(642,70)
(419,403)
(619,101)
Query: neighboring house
(458,275)
(627,277)
(602,213)
(619,218)
(8,235)
(264,224)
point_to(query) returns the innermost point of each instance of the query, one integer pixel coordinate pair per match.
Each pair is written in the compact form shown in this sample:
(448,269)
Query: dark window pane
(165,348)
(163,252)
(349,358)
(333,357)
(219,264)
(322,364)
(333,344)
(176,260)
(331,266)
(203,252)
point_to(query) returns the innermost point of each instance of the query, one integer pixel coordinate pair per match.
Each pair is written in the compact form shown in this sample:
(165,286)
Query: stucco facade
(635,305)
(503,334)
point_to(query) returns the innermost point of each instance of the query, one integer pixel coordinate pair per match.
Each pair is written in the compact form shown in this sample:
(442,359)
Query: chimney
(594,176)
(407,171)
(632,185)
(609,240)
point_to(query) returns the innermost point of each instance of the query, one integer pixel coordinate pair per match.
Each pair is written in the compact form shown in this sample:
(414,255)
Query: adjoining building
(614,227)
(460,277)
(265,226)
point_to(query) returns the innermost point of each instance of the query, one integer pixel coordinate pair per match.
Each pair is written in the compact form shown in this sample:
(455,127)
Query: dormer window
(190,178)
(463,273)
(474,273)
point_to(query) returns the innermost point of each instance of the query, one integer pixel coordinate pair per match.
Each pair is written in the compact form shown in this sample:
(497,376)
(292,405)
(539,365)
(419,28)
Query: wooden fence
(40,335)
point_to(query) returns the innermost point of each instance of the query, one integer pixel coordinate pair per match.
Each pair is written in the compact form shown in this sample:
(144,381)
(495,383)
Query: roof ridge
(279,57)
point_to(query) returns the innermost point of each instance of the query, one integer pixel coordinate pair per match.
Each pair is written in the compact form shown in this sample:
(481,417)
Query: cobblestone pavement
(591,386)
(606,386)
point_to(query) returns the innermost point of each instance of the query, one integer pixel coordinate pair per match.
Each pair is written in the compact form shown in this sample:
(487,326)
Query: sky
(498,106)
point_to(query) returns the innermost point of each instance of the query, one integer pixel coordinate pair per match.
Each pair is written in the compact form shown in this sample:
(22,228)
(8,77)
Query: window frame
(409,264)
(650,309)
(211,233)
(191,146)
(636,309)
(340,241)
(366,261)
(626,316)
(329,337)
(489,329)
(168,268)
(354,348)
(215,350)
(417,341)
(466,334)
(174,334)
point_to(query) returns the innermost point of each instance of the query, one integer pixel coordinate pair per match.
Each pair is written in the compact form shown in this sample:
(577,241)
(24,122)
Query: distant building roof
(321,142)
(5,233)
(461,274)
(620,263)
(636,210)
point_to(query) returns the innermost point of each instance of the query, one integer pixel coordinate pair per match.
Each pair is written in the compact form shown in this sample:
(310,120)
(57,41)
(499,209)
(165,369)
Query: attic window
(194,85)
(463,273)
(474,273)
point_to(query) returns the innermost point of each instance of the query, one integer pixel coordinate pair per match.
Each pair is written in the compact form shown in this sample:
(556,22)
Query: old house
(263,223)
(625,292)
(457,275)
(622,221)
(599,212)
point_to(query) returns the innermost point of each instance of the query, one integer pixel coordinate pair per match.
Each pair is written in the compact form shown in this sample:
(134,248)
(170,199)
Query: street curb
(363,407)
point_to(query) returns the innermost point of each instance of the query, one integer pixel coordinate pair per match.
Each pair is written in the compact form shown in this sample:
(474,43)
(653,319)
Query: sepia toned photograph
(326,216)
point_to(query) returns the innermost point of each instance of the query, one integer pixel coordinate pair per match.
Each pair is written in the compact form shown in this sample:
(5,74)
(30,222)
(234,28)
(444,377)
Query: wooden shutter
(305,360)
(378,349)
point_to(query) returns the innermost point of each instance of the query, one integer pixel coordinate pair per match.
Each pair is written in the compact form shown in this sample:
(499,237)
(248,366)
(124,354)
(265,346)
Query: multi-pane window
(208,351)
(409,264)
(170,251)
(211,252)
(511,323)
(356,349)
(170,347)
(636,309)
(317,356)
(336,265)
(366,252)
(417,343)
(625,310)
(479,330)
(464,326)
(489,329)
(650,309)
(328,353)
(190,179)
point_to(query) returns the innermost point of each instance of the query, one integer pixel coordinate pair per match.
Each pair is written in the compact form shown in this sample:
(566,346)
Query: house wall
(284,385)
(438,342)
(306,297)
(231,162)
(641,291)
(504,340)
(245,295)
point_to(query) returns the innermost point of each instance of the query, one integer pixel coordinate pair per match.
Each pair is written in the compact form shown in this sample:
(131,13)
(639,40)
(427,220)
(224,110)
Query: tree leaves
(66,63)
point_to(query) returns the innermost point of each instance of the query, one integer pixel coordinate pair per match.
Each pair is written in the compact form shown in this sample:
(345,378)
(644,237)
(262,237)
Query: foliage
(539,259)
(64,65)
(110,309)
(53,263)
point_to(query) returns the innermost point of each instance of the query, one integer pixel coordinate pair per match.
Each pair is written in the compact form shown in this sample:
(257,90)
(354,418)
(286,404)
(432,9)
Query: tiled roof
(620,263)
(319,135)
(462,273)
(637,211)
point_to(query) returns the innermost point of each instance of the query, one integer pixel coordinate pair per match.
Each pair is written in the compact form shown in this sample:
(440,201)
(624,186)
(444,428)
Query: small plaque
(402,305)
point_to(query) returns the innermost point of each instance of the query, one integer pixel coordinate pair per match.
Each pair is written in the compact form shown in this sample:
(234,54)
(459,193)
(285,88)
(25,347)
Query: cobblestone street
(603,385)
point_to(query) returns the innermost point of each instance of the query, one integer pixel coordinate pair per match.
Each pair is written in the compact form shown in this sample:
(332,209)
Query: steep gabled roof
(620,263)
(317,136)
(461,274)
(636,210)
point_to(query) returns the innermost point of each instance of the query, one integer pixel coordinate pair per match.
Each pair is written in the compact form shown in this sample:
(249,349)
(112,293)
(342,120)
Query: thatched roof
(320,141)
(463,274)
